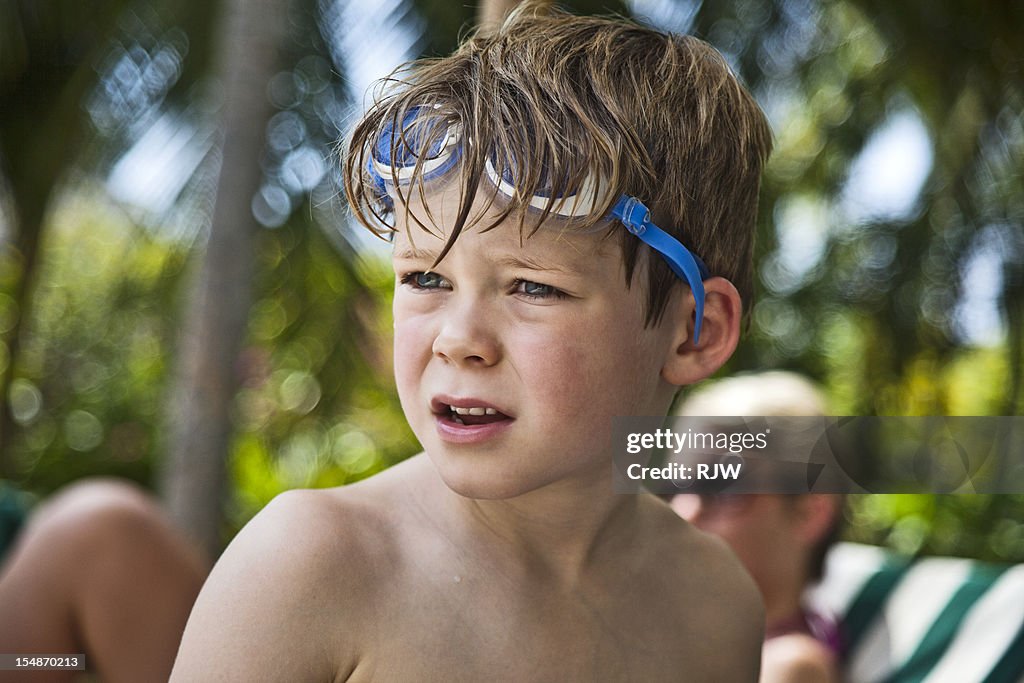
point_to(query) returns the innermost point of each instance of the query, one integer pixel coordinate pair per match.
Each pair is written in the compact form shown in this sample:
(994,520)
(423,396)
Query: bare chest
(475,630)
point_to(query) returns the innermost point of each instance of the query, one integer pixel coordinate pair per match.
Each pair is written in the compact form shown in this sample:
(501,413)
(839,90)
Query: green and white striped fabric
(932,620)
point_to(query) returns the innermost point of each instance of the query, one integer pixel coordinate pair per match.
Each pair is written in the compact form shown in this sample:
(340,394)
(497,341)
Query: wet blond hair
(556,99)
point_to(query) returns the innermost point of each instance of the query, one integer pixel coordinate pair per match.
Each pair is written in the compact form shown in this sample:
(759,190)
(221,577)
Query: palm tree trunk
(194,480)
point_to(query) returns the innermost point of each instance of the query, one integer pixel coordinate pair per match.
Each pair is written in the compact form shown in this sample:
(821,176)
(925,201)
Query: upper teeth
(473,411)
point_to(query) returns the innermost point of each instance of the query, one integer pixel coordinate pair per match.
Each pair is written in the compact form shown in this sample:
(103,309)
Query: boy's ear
(719,334)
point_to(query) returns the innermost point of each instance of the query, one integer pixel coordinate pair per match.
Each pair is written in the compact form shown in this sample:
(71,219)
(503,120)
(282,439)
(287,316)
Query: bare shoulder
(797,658)
(719,604)
(289,594)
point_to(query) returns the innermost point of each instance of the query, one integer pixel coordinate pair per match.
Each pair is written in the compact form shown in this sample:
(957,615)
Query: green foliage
(87,394)
(981,526)
(317,407)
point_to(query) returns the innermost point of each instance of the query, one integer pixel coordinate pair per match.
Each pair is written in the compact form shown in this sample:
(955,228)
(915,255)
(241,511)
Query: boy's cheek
(411,348)
(414,327)
(574,376)
(408,305)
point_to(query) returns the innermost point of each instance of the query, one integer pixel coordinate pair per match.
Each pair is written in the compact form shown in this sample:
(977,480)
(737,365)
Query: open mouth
(476,416)
(469,414)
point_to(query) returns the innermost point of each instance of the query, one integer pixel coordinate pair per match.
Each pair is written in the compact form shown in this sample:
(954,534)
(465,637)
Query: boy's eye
(425,280)
(536,290)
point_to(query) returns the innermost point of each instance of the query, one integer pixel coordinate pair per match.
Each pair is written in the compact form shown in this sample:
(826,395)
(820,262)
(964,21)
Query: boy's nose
(466,338)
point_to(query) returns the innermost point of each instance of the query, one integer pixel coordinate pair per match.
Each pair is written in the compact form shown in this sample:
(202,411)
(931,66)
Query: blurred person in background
(780,539)
(96,569)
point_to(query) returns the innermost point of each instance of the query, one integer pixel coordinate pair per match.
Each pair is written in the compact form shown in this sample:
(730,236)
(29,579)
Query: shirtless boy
(527,315)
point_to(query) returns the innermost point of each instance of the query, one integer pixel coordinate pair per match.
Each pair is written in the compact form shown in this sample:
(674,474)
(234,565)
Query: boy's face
(540,334)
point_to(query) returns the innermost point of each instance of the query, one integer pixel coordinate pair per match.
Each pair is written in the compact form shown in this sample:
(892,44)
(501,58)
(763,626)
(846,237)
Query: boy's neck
(560,530)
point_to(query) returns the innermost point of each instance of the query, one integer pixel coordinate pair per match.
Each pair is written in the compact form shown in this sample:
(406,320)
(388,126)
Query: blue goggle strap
(637,219)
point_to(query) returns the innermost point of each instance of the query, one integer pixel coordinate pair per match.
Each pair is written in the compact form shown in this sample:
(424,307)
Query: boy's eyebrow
(414,254)
(512,261)
(529,263)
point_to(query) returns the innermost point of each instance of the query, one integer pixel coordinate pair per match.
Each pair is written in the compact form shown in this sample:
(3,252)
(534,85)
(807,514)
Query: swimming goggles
(386,167)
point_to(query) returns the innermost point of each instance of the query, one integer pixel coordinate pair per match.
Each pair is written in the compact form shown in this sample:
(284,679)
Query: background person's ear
(719,334)
(818,512)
